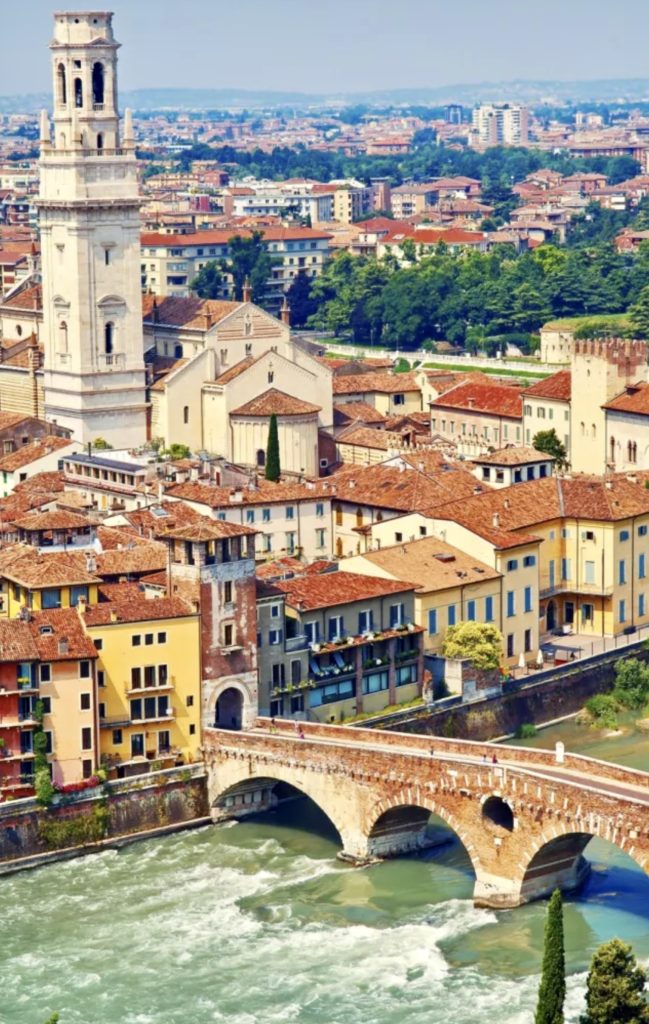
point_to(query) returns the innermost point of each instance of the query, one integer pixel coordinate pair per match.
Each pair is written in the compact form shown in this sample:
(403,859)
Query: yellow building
(31,578)
(452,586)
(148,679)
(392,394)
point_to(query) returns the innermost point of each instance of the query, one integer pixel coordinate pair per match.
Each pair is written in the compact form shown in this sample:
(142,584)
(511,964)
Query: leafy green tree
(208,283)
(53,1019)
(177,451)
(273,469)
(552,990)
(101,445)
(299,298)
(631,688)
(548,441)
(480,642)
(603,709)
(249,260)
(639,314)
(615,987)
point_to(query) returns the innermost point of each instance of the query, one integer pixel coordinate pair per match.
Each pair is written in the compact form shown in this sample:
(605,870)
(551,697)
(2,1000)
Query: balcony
(169,715)
(114,721)
(142,691)
(296,643)
(570,587)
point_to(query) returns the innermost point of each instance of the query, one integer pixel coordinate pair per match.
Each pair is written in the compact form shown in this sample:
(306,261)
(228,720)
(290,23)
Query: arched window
(61,84)
(582,427)
(78,92)
(338,509)
(612,447)
(629,451)
(261,458)
(98,84)
(594,430)
(185,414)
(109,338)
(635,451)
(359,516)
(62,140)
(271,376)
(100,144)
(63,336)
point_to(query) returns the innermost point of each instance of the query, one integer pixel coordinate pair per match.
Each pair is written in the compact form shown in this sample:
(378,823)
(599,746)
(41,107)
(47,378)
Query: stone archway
(559,862)
(228,712)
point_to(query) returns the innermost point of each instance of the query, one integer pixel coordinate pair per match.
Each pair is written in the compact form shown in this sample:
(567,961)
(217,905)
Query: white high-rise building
(500,124)
(90,242)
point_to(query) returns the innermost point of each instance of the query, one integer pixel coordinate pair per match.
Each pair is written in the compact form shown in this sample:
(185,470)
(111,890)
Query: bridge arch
(244,794)
(397,825)
(556,858)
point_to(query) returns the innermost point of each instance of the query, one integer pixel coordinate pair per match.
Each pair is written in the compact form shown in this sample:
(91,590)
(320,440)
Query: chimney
(155,312)
(81,606)
(495,519)
(247,291)
(63,645)
(113,615)
(285,315)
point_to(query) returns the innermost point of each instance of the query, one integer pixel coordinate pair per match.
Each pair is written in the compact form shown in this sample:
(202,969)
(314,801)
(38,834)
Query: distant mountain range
(615,90)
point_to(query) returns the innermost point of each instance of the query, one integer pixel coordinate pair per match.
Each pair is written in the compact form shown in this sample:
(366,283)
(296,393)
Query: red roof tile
(329,589)
(495,399)
(557,387)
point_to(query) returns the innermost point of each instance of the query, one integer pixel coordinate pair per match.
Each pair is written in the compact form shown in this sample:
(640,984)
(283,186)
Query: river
(258,923)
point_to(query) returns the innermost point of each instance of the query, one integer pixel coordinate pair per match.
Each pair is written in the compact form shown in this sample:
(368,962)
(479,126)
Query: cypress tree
(615,987)
(272,451)
(552,990)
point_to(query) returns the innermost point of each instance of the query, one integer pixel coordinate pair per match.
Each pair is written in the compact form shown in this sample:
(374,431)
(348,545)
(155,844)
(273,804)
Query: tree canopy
(552,990)
(615,987)
(480,642)
(273,468)
(548,441)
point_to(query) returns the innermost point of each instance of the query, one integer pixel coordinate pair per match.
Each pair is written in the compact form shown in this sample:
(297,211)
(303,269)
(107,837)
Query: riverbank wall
(110,815)
(550,696)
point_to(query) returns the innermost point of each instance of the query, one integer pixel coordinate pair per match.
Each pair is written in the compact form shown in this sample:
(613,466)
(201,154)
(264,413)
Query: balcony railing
(295,643)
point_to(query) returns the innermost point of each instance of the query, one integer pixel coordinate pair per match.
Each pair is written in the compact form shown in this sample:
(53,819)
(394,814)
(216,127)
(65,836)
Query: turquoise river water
(258,923)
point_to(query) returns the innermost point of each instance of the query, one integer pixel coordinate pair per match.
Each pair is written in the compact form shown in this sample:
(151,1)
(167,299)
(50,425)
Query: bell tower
(89,217)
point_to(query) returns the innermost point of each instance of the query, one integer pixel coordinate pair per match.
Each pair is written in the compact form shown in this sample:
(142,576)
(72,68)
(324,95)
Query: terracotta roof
(223,236)
(27,299)
(362,412)
(156,519)
(278,402)
(265,493)
(511,456)
(209,529)
(520,508)
(31,452)
(326,590)
(11,419)
(35,569)
(54,519)
(50,481)
(163,374)
(59,635)
(634,399)
(133,561)
(235,371)
(136,609)
(431,564)
(385,383)
(495,399)
(407,490)
(557,387)
(370,437)
(16,641)
(190,311)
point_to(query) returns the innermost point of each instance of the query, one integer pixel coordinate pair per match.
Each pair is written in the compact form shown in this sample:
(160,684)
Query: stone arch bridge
(524,821)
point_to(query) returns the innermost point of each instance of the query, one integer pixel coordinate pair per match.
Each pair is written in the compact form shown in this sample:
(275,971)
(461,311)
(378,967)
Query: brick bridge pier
(523,821)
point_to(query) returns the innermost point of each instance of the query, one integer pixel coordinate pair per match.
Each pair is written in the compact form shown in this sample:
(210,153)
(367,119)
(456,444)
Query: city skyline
(363,47)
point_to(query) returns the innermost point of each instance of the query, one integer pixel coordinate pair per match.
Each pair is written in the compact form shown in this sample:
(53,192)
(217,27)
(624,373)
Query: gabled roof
(512,456)
(356,412)
(306,593)
(634,399)
(557,387)
(185,311)
(385,383)
(32,452)
(494,399)
(431,564)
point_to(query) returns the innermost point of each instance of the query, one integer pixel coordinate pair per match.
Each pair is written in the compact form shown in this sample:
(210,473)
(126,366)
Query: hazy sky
(342,44)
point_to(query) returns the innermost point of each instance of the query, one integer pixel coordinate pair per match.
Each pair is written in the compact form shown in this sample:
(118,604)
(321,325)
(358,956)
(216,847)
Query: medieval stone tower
(600,370)
(90,242)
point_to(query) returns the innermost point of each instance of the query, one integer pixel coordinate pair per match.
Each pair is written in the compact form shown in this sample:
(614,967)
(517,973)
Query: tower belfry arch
(90,241)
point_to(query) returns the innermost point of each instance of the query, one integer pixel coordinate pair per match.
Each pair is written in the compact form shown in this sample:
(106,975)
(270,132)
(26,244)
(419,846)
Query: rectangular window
(622,611)
(51,598)
(86,738)
(528,640)
(78,594)
(432,621)
(641,604)
(589,572)
(148,639)
(642,531)
(136,678)
(46,673)
(624,534)
(162,638)
(275,636)
(47,705)
(512,564)
(642,566)
(312,631)
(137,744)
(101,680)
(451,614)
(510,645)
(527,599)
(375,681)
(84,701)
(470,611)
(320,538)
(275,609)
(265,515)
(488,609)
(565,569)
(84,670)
(529,561)
(117,737)
(511,603)
(621,571)
(250,515)
(586,612)
(136,640)
(290,543)
(290,512)
(98,642)
(365,621)
(319,509)
(228,635)
(227,592)
(396,615)
(336,627)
